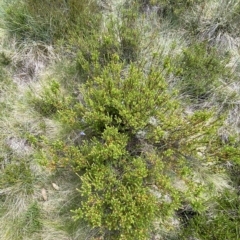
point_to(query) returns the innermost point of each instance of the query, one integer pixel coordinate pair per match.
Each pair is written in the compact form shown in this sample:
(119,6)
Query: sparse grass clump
(200,69)
(172,9)
(49,21)
(223,218)
(215,22)
(31,220)
(7,88)
(17,174)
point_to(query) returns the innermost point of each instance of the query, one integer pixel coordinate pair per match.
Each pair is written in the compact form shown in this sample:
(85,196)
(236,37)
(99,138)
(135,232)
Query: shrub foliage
(136,143)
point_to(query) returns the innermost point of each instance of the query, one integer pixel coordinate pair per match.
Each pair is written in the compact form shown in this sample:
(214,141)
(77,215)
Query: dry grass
(28,62)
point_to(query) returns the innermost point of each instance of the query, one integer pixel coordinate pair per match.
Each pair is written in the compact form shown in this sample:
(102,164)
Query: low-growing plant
(31,220)
(129,34)
(135,144)
(215,22)
(50,21)
(171,8)
(200,70)
(18,21)
(14,174)
(50,100)
(121,37)
(7,89)
(224,219)
(137,154)
(5,59)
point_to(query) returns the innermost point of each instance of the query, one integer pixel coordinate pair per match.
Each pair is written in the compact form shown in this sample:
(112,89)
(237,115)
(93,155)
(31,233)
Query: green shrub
(121,37)
(50,100)
(200,69)
(129,34)
(135,143)
(114,196)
